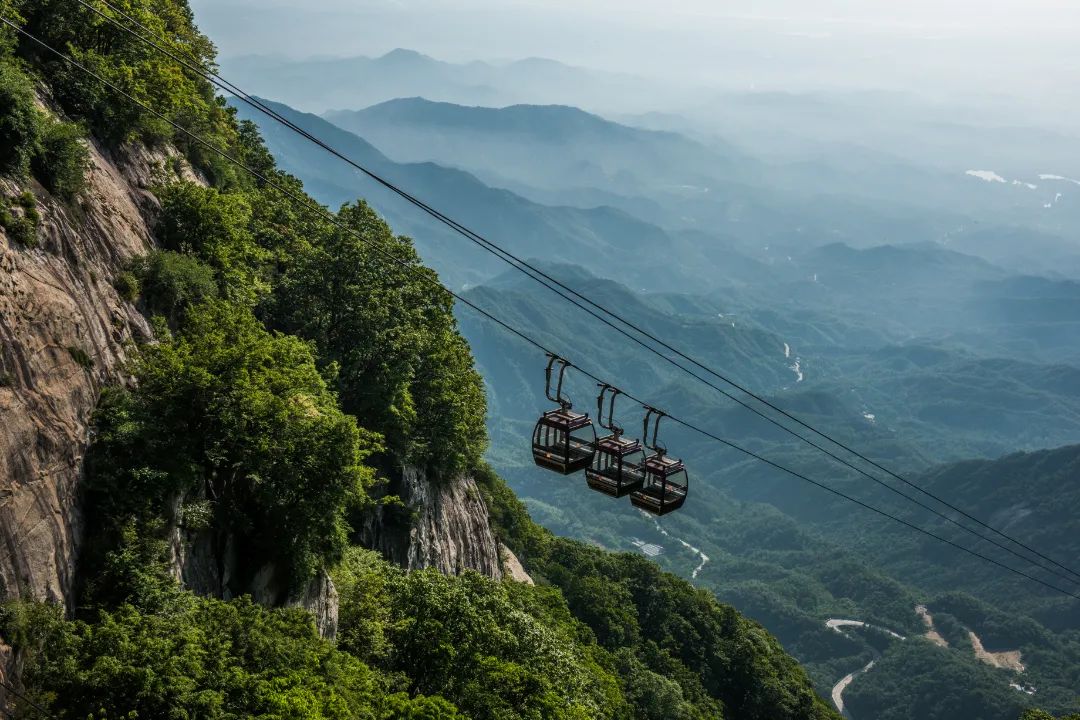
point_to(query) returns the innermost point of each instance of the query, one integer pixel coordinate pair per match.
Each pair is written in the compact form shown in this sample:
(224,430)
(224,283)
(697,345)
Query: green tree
(403,369)
(213,226)
(497,650)
(169,283)
(451,404)
(20,121)
(9,39)
(206,659)
(127,63)
(228,413)
(62,158)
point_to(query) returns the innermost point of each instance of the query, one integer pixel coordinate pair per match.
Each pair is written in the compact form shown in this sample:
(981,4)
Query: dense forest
(292,368)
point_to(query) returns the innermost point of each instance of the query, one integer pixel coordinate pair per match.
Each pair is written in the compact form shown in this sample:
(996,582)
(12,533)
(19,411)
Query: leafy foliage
(8,37)
(494,649)
(20,219)
(62,157)
(402,368)
(1040,715)
(229,412)
(20,128)
(167,284)
(213,226)
(206,659)
(81,357)
(660,624)
(56,151)
(135,68)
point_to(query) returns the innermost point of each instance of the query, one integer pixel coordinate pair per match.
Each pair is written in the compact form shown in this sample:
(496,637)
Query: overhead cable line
(20,695)
(310,205)
(562,290)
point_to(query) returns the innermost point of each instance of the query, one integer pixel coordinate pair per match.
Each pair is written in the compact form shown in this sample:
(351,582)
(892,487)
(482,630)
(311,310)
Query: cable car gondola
(666,482)
(617,464)
(563,441)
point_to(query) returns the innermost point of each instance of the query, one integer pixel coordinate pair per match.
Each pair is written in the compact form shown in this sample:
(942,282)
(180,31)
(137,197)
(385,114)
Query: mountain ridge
(292,392)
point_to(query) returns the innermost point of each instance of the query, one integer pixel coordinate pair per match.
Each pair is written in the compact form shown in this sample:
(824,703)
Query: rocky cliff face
(66,333)
(442,525)
(208,563)
(63,335)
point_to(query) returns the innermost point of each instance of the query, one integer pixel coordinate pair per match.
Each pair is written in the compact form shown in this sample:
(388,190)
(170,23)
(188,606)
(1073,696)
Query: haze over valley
(900,267)
(273,358)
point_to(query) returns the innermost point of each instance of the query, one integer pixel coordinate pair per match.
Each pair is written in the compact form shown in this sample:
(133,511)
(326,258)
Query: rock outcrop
(512,567)
(439,524)
(208,564)
(64,331)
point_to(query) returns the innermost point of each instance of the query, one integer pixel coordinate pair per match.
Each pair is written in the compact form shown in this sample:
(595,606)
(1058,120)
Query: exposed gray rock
(63,332)
(207,563)
(512,567)
(321,600)
(443,525)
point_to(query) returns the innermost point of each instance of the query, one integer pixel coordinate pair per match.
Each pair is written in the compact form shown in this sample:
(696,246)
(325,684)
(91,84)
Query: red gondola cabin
(617,463)
(666,481)
(563,441)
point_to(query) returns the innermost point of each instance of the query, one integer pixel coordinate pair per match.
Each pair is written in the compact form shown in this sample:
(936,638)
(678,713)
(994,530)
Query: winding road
(1009,660)
(840,625)
(700,555)
(840,687)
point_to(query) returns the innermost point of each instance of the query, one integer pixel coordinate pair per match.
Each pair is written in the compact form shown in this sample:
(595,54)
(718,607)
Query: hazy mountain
(546,147)
(854,193)
(599,238)
(320,84)
(564,156)
(914,352)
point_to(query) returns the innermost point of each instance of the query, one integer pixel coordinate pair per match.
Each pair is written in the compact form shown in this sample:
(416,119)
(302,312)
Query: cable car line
(315,208)
(521,265)
(548,281)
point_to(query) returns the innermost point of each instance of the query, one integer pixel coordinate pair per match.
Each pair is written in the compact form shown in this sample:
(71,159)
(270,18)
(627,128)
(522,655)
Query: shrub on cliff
(61,158)
(167,284)
(20,124)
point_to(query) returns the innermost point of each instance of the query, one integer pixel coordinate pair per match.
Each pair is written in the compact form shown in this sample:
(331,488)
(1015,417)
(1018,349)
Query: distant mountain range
(553,152)
(599,237)
(321,84)
(755,258)
(862,317)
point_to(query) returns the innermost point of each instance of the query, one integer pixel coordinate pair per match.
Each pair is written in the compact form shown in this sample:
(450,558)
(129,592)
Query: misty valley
(370,360)
(924,312)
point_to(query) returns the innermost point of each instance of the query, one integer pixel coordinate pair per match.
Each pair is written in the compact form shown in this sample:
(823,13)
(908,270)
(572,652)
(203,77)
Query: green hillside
(261,412)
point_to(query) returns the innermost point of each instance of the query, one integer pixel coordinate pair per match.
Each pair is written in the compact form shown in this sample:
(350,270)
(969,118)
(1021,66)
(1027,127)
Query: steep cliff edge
(240,452)
(64,331)
(441,525)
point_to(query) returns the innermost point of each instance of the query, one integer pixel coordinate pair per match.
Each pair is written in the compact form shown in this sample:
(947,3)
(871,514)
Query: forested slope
(286,375)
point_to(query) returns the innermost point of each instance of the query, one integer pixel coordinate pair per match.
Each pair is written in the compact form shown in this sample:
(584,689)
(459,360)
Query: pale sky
(1026,47)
